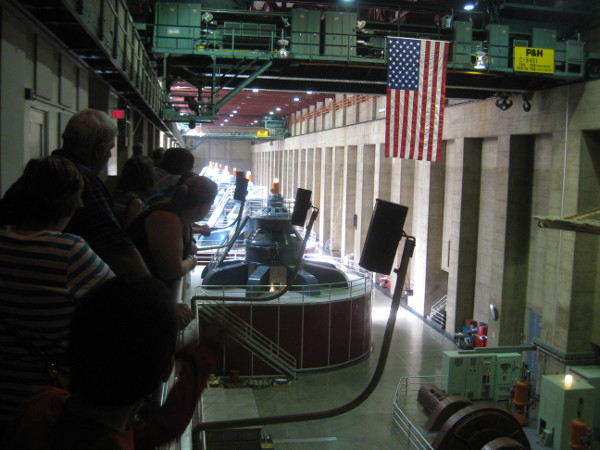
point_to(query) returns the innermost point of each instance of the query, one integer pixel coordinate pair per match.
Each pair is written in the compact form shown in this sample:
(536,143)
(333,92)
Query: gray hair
(88,129)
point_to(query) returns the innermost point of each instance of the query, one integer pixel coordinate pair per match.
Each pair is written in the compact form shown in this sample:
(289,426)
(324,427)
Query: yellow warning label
(539,60)
(262,133)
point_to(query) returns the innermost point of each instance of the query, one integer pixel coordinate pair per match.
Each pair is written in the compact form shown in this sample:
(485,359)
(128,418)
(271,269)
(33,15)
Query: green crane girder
(209,109)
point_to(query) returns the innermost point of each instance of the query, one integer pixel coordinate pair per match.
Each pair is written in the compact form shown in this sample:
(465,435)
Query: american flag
(416,90)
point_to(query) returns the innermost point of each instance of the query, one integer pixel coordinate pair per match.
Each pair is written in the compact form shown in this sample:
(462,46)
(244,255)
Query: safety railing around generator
(408,415)
(326,292)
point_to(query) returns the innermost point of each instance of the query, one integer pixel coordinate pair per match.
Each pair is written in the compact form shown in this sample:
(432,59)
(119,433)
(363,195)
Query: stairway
(438,312)
(215,312)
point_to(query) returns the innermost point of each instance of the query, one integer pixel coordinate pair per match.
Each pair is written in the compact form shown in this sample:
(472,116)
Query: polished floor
(416,350)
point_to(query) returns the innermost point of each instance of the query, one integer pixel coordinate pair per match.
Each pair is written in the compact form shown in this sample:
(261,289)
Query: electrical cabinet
(177,25)
(543,38)
(462,48)
(340,33)
(560,403)
(591,375)
(305,32)
(508,369)
(498,36)
(480,376)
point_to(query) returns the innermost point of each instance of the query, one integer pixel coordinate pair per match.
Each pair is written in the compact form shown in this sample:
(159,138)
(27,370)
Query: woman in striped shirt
(43,272)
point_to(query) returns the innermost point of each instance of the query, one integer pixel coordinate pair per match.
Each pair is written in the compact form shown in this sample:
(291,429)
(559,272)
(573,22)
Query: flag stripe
(415,98)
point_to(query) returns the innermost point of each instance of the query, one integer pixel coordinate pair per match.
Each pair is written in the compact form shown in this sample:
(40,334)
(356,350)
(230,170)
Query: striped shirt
(41,276)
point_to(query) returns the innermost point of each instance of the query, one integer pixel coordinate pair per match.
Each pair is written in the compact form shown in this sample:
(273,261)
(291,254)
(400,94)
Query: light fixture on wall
(494,311)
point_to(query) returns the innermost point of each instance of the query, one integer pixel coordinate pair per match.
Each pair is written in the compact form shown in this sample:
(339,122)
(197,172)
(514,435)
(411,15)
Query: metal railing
(438,312)
(405,398)
(248,337)
(328,292)
(220,205)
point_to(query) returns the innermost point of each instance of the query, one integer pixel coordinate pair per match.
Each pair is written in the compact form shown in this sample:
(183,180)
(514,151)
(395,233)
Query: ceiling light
(254,90)
(309,92)
(481,60)
(296,99)
(226,120)
(234,111)
(222,124)
(271,112)
(283,52)
(278,109)
(469,6)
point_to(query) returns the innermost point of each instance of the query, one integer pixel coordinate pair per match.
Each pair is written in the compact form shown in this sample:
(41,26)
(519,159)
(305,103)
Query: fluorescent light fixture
(469,6)
(296,99)
(278,109)
(254,90)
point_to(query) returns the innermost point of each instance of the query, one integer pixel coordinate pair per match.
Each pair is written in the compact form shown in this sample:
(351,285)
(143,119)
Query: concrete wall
(234,154)
(42,86)
(472,213)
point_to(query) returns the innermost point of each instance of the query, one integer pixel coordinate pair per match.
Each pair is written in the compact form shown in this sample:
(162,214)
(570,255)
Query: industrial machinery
(510,48)
(562,399)
(462,424)
(480,376)
(273,248)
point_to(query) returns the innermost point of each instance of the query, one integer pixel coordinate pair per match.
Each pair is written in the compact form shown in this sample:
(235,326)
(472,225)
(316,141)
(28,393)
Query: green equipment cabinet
(177,26)
(478,375)
(340,33)
(462,47)
(498,38)
(305,32)
(591,375)
(560,403)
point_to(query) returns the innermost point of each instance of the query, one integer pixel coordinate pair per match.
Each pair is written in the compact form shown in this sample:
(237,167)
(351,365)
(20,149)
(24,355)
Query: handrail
(356,287)
(399,416)
(218,209)
(441,303)
(248,335)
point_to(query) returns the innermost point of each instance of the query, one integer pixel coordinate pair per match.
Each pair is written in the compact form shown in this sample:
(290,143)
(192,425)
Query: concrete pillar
(365,198)
(301,163)
(309,169)
(464,180)
(428,281)
(382,174)
(349,200)
(336,197)
(315,183)
(514,267)
(585,294)
(319,117)
(325,196)
(490,234)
